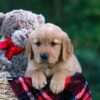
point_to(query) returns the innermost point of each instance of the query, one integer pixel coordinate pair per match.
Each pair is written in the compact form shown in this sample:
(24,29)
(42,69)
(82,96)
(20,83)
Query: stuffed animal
(15,26)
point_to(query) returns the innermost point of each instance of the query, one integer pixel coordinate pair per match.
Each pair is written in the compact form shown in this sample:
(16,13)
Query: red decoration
(11,48)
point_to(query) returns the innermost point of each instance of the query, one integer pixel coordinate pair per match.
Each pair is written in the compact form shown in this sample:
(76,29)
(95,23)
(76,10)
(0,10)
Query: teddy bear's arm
(4,61)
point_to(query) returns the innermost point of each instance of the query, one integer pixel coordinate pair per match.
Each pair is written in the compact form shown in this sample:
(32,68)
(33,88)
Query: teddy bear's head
(19,19)
(15,26)
(17,23)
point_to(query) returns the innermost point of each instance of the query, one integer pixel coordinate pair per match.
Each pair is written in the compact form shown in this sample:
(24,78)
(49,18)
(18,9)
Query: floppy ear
(41,19)
(67,48)
(1,18)
(29,50)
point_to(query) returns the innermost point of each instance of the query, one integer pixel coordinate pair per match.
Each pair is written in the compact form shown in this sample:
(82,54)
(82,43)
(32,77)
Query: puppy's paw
(39,80)
(57,86)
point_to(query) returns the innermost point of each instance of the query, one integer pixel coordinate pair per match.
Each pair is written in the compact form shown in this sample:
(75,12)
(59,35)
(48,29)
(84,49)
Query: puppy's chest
(47,71)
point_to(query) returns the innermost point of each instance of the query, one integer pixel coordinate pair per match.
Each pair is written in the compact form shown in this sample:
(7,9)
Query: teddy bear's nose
(22,37)
(26,35)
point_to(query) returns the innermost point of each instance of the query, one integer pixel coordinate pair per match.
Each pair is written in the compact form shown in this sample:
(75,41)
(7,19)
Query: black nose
(44,57)
(22,37)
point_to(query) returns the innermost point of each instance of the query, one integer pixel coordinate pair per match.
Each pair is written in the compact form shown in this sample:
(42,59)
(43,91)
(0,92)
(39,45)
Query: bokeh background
(81,20)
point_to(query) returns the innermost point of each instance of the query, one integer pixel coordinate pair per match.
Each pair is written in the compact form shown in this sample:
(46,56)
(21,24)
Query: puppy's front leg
(58,81)
(38,78)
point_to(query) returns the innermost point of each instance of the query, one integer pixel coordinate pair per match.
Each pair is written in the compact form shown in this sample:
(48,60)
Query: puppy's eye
(53,43)
(38,43)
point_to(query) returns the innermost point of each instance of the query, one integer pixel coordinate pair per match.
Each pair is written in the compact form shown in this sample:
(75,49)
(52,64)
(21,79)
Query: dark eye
(16,28)
(38,43)
(1,36)
(53,43)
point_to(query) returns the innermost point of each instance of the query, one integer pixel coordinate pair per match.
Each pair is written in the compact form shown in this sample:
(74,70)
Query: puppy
(50,53)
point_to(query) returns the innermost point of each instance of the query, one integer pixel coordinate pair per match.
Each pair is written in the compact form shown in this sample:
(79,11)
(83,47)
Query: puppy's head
(49,44)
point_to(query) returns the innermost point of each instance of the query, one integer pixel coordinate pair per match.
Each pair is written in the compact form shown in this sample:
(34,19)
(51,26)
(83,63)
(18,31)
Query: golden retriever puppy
(50,53)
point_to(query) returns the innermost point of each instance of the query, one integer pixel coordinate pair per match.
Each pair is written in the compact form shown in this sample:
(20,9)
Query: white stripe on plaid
(79,95)
(45,95)
(26,89)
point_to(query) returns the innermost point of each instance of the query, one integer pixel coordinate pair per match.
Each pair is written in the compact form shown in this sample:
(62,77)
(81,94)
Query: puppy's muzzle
(44,57)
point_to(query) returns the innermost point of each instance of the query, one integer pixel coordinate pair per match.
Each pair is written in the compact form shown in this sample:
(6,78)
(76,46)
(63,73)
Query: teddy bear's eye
(16,28)
(0,36)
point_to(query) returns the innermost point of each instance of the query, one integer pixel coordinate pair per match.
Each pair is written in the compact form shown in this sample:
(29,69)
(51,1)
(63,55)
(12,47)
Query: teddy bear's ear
(1,18)
(41,18)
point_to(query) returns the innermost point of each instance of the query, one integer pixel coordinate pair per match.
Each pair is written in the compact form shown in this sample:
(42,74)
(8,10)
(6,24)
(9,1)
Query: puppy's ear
(29,50)
(67,48)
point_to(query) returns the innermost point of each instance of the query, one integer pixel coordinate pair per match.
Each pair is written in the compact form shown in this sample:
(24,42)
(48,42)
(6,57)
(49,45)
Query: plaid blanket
(76,88)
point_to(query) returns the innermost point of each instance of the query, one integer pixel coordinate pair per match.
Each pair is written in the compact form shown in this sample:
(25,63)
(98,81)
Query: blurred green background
(81,20)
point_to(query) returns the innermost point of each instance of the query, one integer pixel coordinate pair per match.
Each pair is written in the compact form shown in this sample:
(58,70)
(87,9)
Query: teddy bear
(15,26)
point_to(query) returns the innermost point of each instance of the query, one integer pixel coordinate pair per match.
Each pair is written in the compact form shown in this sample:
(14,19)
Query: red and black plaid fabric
(76,88)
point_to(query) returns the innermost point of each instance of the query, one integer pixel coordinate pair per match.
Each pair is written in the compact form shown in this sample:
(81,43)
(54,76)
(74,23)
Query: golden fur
(61,63)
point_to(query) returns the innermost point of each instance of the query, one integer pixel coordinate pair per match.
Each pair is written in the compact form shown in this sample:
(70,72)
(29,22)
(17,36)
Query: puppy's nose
(44,57)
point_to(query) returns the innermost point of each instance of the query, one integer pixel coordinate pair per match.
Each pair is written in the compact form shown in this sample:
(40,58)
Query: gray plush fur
(17,24)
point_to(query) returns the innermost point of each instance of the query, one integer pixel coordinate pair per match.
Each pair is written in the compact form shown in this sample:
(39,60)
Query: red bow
(11,48)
